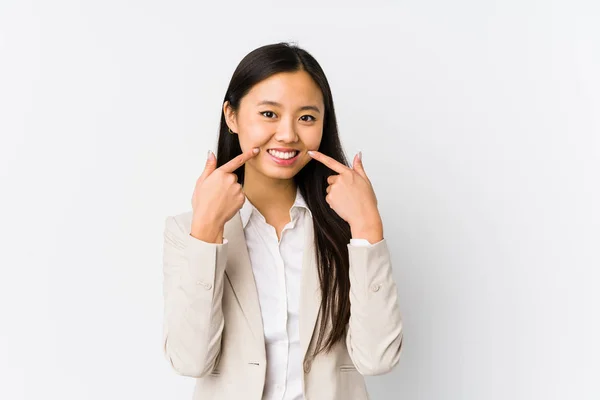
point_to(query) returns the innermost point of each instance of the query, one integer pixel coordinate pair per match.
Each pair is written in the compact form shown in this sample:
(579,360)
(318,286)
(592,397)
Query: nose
(286,132)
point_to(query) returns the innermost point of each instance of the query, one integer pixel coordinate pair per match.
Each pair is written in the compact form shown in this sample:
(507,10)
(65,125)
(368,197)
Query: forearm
(193,291)
(375,329)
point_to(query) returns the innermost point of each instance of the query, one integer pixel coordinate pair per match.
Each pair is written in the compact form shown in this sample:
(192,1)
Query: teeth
(283,155)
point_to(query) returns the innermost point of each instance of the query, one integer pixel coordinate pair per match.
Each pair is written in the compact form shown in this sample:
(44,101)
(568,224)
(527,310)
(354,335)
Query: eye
(268,114)
(311,118)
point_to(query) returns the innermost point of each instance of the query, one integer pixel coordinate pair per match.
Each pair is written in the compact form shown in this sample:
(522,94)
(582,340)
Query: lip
(284,163)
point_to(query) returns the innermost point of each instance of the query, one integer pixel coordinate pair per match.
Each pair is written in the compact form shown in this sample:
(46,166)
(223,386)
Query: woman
(278,284)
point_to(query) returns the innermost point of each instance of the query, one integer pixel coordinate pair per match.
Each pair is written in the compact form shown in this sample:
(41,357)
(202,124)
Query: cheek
(253,134)
(312,138)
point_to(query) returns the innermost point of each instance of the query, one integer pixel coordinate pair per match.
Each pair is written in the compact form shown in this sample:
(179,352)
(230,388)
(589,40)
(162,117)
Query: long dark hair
(332,234)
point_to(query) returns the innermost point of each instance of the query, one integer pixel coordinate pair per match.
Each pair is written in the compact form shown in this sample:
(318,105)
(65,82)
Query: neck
(269,195)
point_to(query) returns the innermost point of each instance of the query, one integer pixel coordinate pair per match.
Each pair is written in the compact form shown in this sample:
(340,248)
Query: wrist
(370,229)
(210,232)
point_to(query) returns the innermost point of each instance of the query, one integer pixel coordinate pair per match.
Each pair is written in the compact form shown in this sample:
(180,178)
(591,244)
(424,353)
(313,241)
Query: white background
(479,123)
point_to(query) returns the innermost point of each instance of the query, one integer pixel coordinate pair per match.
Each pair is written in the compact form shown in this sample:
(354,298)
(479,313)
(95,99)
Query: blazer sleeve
(193,276)
(374,337)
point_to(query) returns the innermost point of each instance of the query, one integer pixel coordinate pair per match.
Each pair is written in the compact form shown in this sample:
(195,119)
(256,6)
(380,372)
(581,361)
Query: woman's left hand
(350,194)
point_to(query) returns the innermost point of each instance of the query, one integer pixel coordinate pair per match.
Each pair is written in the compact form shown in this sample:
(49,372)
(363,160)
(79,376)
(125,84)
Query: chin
(283,175)
(270,170)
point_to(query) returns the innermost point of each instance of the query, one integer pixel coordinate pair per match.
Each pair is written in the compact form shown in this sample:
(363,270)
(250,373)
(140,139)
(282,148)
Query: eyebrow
(276,104)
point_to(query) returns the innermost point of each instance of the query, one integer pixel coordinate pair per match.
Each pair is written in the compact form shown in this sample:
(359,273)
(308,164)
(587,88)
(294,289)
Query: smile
(284,157)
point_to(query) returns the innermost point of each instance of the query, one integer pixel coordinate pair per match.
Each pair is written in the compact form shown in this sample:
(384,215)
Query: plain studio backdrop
(479,123)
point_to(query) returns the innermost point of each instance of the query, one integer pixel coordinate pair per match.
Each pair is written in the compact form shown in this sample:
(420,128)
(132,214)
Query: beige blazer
(213,326)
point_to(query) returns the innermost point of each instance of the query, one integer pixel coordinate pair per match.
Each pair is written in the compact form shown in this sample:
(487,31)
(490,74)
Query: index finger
(238,161)
(328,161)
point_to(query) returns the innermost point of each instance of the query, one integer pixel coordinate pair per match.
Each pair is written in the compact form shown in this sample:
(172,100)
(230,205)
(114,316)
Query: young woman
(278,284)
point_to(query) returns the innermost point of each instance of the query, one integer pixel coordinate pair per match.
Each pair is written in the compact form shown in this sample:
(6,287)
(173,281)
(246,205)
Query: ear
(230,117)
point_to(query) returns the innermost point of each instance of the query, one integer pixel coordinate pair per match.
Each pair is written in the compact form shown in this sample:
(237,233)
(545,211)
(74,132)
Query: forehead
(291,89)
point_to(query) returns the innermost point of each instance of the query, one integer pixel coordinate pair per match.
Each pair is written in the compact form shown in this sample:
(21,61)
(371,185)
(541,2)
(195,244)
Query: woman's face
(283,116)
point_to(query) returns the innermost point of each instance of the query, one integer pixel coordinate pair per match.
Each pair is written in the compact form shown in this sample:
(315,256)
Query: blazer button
(207,285)
(375,287)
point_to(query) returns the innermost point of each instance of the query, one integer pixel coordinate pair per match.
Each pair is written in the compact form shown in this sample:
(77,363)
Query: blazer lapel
(240,275)
(310,293)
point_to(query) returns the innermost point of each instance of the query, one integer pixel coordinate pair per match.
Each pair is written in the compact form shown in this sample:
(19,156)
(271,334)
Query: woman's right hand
(217,197)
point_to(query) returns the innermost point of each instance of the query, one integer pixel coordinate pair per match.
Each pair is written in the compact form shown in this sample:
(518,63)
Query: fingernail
(311,153)
(208,155)
(256,150)
(360,155)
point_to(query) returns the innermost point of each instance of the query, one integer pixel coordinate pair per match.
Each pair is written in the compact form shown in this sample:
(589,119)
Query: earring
(230,130)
